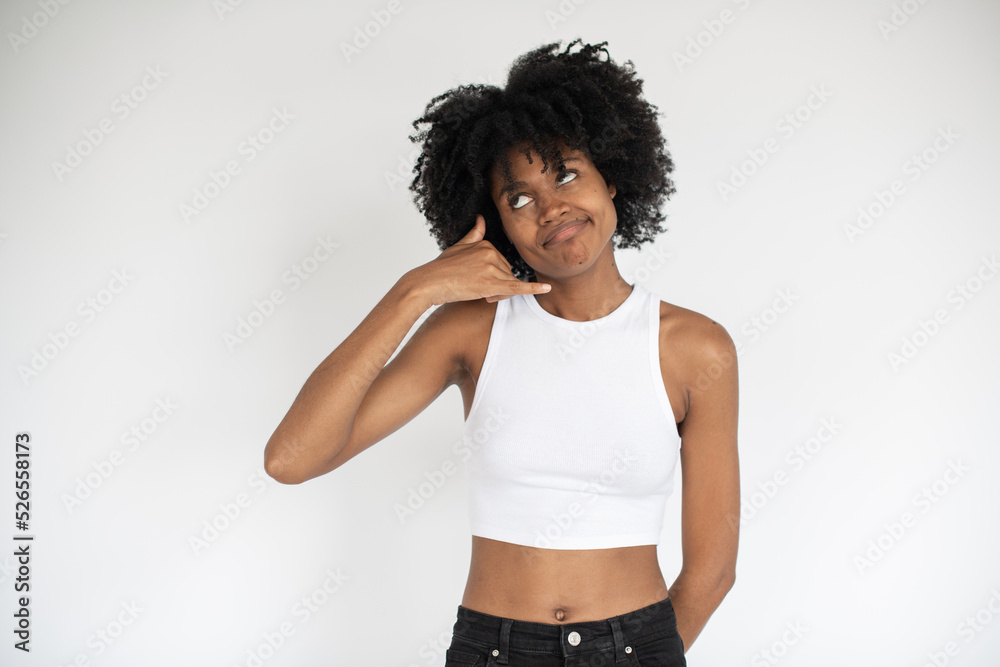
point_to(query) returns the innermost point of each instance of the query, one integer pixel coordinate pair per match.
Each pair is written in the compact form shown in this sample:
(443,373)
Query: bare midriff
(555,586)
(560,586)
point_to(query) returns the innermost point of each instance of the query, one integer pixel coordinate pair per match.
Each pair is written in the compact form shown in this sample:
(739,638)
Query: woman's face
(570,201)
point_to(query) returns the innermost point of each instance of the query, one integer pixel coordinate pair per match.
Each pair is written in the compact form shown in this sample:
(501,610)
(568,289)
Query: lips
(563,227)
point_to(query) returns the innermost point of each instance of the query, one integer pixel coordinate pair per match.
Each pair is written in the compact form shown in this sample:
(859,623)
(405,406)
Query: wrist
(410,291)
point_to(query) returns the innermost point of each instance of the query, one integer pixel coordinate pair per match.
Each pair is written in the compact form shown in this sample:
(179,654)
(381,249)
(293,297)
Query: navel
(560,614)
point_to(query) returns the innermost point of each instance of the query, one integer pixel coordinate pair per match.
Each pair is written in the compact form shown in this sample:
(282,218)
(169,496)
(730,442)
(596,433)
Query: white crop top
(573,438)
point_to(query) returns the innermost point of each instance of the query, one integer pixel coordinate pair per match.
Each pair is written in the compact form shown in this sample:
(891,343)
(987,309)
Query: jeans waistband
(500,634)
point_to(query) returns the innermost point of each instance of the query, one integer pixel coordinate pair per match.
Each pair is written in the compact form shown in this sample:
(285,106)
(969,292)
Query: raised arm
(710,474)
(354,399)
(311,438)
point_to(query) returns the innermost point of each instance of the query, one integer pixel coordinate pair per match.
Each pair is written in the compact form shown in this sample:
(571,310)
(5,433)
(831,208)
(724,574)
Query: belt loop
(504,640)
(616,629)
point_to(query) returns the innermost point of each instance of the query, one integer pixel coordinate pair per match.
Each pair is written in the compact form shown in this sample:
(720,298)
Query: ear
(612,191)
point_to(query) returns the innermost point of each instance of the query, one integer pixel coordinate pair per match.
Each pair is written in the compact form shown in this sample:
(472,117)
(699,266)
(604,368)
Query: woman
(581,392)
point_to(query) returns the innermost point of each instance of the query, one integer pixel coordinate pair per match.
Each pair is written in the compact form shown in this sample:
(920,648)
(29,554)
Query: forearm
(695,597)
(319,422)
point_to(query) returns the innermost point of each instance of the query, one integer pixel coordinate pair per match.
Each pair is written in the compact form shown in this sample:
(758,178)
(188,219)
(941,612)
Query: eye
(562,178)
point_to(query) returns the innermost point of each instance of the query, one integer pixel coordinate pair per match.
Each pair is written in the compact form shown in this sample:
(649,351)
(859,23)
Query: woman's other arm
(710,475)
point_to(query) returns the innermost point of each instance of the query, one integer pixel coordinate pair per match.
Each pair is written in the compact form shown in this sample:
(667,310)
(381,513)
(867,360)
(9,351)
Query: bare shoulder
(693,346)
(696,334)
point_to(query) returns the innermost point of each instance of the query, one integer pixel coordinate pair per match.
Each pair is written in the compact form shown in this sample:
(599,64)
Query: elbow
(277,466)
(711,581)
(727,581)
(278,474)
(722,580)
(719,582)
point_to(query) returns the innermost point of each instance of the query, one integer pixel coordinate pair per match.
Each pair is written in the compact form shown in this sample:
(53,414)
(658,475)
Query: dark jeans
(645,637)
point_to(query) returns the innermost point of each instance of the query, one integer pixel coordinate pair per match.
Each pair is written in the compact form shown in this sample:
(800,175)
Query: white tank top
(573,439)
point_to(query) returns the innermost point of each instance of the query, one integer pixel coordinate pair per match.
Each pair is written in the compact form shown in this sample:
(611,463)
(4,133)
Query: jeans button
(573,638)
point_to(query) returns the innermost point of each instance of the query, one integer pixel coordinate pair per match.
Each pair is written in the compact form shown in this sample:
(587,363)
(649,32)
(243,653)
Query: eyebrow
(517,185)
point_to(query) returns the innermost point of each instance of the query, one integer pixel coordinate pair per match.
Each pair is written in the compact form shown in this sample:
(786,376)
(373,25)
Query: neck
(585,296)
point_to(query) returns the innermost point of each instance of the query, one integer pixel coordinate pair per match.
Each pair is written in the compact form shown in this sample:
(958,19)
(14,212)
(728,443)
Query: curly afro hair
(589,104)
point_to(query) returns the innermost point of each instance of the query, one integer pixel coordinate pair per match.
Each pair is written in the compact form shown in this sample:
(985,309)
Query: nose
(552,207)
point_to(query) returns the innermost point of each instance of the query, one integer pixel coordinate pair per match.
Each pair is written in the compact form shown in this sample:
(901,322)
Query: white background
(339,170)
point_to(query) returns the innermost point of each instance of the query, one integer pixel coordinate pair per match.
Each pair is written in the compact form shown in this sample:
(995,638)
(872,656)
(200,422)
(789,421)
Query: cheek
(611,215)
(517,230)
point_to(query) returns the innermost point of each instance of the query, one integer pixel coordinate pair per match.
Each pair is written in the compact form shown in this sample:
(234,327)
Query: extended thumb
(477,232)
